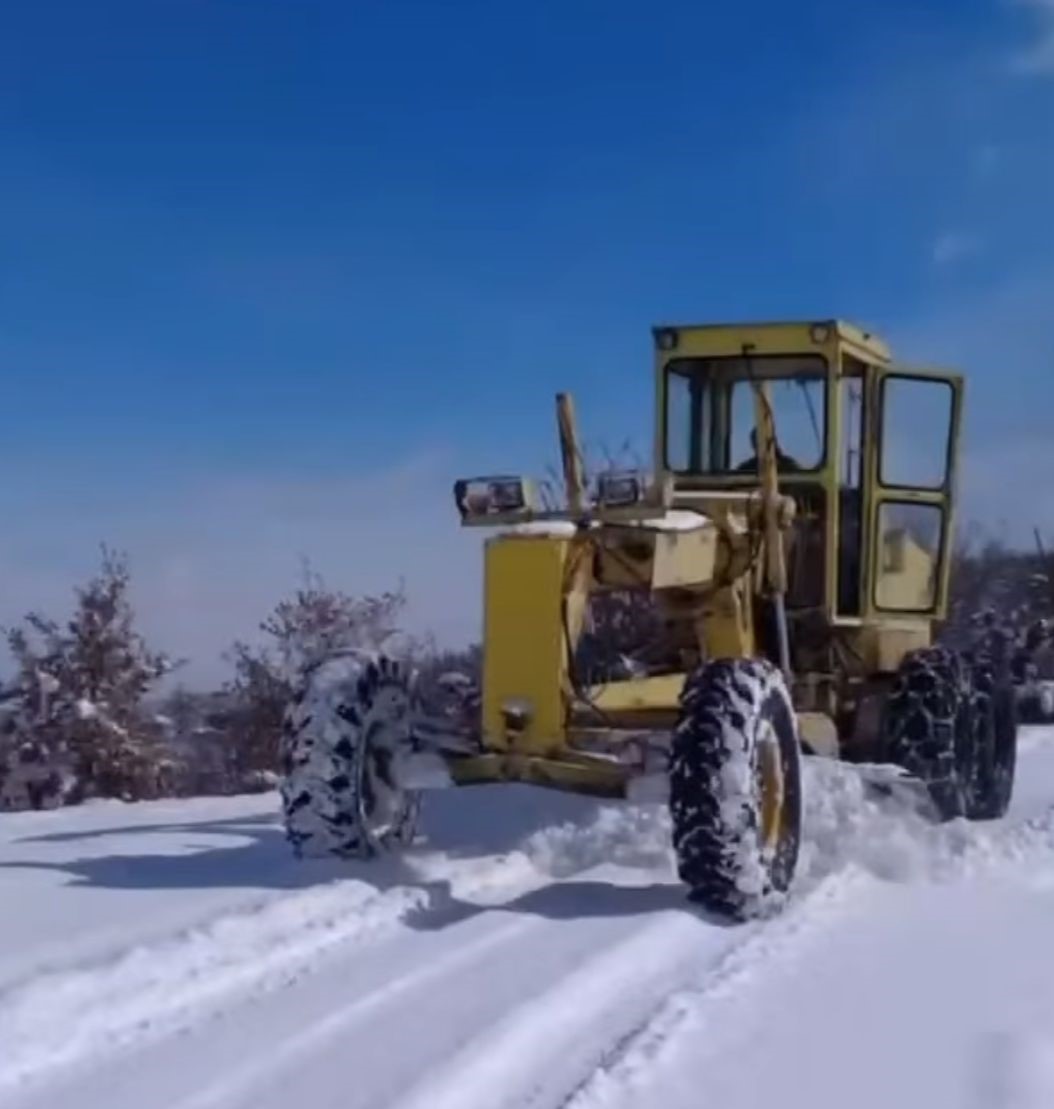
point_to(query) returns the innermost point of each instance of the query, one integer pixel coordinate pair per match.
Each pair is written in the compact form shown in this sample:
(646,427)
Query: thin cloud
(1002,339)
(954,246)
(1038,57)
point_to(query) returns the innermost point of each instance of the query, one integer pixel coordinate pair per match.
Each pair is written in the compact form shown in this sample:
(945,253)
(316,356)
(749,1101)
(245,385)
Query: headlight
(619,489)
(494,496)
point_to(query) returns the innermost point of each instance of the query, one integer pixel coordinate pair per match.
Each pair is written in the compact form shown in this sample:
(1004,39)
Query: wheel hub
(770,787)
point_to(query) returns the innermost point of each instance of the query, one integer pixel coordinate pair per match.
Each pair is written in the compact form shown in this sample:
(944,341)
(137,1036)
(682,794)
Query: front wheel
(736,787)
(344,733)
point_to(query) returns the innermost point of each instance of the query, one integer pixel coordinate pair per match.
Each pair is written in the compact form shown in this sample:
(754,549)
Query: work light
(494,496)
(619,488)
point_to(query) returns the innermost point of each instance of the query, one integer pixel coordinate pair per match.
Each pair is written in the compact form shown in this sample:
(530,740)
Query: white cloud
(1038,56)
(954,246)
(210,561)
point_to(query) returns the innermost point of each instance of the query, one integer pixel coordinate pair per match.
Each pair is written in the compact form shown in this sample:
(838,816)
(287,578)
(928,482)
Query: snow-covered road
(535,951)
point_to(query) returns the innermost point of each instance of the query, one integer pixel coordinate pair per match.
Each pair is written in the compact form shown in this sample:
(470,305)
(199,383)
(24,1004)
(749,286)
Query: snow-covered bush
(1002,601)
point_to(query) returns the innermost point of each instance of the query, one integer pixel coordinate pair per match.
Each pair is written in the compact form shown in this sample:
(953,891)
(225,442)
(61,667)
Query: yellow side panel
(524,652)
(686,558)
(882,646)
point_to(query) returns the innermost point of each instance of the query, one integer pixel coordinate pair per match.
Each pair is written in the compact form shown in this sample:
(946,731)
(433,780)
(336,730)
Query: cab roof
(849,333)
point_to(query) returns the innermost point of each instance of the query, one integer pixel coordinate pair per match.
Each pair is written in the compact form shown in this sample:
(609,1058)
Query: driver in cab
(785,464)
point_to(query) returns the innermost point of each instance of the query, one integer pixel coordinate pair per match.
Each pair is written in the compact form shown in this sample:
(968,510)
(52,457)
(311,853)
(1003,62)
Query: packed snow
(532,950)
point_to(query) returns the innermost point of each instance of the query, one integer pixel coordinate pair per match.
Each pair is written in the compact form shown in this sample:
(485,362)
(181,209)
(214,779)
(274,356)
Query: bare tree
(300,631)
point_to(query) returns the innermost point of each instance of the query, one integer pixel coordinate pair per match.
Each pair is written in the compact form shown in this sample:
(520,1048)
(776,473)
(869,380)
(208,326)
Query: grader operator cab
(792,549)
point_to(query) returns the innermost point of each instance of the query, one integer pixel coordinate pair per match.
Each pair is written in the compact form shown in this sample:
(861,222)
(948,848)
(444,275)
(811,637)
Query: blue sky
(274,272)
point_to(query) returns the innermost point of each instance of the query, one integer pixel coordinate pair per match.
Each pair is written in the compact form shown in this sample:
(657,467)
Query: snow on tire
(1046,703)
(736,787)
(342,735)
(928,726)
(994,710)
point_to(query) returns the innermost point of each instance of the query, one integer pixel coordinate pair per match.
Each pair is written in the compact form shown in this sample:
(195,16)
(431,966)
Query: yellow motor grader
(791,546)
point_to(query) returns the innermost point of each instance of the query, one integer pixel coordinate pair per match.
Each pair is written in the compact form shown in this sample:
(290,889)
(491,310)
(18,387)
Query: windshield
(709,418)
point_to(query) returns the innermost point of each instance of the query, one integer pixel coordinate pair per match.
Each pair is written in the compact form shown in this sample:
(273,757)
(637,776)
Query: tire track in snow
(539,1050)
(69,1015)
(237,1086)
(942,853)
(582,1038)
(614,1014)
(61,1017)
(65,1016)
(491,1056)
(619,1070)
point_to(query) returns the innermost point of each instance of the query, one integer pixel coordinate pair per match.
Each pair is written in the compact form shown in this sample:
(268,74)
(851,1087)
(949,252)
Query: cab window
(909,548)
(709,417)
(916,428)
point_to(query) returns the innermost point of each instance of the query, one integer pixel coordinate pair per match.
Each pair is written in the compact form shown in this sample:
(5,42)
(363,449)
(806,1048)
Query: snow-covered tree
(75,725)
(1002,606)
(197,728)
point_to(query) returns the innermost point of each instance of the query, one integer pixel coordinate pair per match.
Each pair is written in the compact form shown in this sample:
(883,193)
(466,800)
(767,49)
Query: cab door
(911,471)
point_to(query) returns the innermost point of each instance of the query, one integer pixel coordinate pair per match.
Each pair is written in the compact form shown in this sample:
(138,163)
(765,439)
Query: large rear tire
(995,723)
(736,788)
(1035,703)
(343,733)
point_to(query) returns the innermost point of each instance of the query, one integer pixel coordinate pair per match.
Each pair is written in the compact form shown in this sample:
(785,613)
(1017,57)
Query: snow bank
(619,835)
(850,824)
